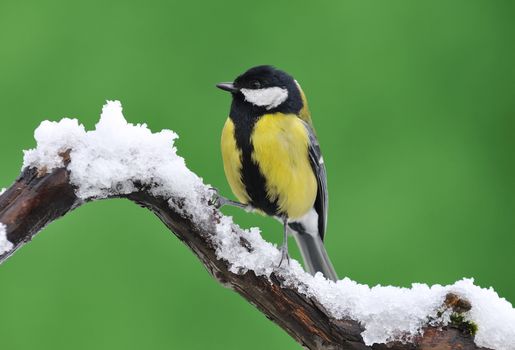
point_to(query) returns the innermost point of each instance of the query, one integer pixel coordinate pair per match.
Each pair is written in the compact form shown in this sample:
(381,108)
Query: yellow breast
(231,156)
(281,150)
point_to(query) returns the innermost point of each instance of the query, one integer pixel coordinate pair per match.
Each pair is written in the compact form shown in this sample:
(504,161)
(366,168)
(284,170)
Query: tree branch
(37,198)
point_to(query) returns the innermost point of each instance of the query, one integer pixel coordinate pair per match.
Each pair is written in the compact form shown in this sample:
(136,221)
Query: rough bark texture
(36,199)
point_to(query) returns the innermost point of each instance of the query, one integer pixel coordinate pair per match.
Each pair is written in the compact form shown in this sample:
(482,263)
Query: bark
(37,198)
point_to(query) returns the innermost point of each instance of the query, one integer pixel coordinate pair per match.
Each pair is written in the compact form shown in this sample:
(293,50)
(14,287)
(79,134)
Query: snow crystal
(494,316)
(112,158)
(5,244)
(262,258)
(387,313)
(118,156)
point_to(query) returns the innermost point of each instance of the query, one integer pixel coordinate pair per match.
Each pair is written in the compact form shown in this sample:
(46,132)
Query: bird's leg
(284,247)
(219,201)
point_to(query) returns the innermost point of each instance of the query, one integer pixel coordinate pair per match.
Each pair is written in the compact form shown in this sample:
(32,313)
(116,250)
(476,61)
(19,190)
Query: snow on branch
(71,166)
(5,245)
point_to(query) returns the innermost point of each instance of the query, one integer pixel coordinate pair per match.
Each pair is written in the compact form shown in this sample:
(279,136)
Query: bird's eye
(255,84)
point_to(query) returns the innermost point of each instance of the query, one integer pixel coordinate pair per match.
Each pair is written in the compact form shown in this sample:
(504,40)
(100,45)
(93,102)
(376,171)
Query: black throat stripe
(244,117)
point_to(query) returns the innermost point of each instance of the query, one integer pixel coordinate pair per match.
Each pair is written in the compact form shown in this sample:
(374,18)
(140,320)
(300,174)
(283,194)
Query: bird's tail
(313,252)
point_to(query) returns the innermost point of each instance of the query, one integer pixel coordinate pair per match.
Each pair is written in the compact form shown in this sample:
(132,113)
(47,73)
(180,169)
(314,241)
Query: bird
(273,162)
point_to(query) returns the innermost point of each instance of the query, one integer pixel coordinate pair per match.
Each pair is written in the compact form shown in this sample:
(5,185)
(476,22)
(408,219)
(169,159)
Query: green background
(414,104)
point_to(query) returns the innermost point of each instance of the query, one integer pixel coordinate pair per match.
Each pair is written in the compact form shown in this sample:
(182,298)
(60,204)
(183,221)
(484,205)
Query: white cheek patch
(268,97)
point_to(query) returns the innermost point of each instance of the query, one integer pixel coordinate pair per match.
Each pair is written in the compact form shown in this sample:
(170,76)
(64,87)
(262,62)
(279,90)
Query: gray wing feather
(317,163)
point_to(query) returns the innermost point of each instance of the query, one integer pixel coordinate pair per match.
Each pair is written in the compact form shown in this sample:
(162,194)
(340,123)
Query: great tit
(273,163)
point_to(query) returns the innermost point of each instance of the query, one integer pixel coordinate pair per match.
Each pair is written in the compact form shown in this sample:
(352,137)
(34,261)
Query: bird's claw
(284,255)
(216,200)
(219,201)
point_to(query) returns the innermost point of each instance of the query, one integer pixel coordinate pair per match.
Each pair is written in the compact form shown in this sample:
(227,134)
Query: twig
(36,199)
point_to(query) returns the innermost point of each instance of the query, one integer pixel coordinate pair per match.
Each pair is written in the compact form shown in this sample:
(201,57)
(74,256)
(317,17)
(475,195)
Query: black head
(266,89)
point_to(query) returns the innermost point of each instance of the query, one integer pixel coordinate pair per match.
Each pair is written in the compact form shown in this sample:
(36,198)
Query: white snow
(108,160)
(387,313)
(5,244)
(268,97)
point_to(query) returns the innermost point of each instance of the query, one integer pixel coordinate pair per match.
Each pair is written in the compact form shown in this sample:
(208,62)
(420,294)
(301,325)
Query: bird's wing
(317,163)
